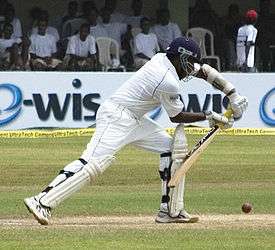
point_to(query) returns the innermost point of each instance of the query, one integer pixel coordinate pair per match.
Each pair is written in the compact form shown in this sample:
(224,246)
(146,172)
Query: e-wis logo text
(58,108)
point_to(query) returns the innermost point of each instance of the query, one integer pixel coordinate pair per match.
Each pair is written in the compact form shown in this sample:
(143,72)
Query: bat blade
(194,154)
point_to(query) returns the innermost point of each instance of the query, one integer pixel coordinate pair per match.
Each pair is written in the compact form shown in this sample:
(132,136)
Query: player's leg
(179,151)
(112,133)
(74,176)
(172,200)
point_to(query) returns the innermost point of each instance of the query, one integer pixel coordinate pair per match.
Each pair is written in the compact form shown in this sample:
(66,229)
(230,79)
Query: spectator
(121,33)
(134,20)
(34,15)
(165,30)
(116,17)
(246,43)
(43,49)
(96,29)
(81,51)
(146,44)
(266,36)
(232,22)
(72,12)
(113,30)
(49,29)
(10,18)
(202,15)
(9,49)
(87,6)
(71,22)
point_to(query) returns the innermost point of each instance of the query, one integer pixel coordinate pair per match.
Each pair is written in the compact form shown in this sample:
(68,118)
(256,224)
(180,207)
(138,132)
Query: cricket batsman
(122,120)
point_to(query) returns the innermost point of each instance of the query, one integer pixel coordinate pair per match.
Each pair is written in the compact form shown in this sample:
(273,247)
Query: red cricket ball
(246,207)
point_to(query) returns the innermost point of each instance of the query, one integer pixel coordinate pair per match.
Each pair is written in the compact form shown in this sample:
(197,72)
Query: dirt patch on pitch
(257,221)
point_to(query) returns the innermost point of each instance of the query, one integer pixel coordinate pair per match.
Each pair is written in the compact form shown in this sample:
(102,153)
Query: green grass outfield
(233,170)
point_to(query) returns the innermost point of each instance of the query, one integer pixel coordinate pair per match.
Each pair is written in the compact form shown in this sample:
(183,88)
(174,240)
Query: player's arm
(188,117)
(173,105)
(238,103)
(212,117)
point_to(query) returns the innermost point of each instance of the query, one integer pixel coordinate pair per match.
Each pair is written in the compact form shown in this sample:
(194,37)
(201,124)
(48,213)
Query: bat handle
(228,113)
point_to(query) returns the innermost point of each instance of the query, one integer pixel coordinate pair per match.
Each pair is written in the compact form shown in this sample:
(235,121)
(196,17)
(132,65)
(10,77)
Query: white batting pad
(179,151)
(72,184)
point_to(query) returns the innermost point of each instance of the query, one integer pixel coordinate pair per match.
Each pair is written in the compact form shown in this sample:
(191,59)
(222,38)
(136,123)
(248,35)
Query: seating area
(24,45)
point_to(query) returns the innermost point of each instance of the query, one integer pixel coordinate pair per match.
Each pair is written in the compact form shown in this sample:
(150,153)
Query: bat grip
(228,113)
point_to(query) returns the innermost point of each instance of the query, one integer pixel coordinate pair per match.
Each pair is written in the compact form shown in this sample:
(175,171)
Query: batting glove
(238,104)
(217,119)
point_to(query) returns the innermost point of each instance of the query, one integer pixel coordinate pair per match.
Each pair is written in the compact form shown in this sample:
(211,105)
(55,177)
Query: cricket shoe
(183,217)
(40,213)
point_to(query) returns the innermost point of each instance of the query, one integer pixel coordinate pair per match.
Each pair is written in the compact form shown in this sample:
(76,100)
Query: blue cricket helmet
(188,51)
(184,45)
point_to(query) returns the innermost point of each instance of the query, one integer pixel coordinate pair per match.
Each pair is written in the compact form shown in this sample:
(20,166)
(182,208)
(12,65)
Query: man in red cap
(246,43)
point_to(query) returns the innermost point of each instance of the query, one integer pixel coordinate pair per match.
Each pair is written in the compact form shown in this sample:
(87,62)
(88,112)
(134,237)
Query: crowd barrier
(71,99)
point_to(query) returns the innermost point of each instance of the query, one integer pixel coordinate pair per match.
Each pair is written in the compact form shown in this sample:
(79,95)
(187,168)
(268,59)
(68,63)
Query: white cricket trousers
(116,126)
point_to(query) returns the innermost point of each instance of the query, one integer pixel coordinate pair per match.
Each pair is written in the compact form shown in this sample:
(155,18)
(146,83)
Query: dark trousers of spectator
(248,69)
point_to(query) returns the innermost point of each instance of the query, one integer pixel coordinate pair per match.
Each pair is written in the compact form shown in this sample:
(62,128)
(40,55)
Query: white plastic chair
(199,35)
(108,50)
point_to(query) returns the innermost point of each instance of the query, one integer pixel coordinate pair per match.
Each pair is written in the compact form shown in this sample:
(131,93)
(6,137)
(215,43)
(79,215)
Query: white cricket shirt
(43,46)
(246,33)
(81,48)
(155,84)
(146,44)
(50,30)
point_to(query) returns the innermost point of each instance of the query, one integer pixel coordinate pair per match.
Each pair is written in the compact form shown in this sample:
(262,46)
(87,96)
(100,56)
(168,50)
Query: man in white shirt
(81,50)
(72,12)
(246,40)
(49,30)
(122,120)
(70,22)
(10,49)
(10,18)
(43,49)
(146,44)
(165,30)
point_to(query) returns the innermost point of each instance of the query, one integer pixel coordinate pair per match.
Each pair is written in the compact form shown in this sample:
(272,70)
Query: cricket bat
(195,152)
